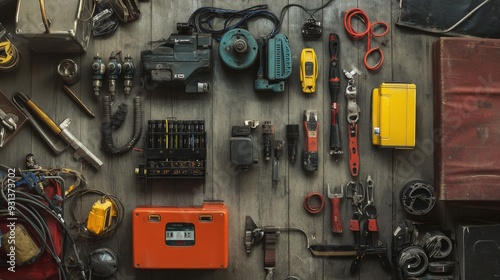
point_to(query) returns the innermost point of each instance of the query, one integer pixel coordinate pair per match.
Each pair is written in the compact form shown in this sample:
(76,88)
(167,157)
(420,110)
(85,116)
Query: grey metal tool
(370,210)
(9,120)
(278,149)
(2,136)
(23,102)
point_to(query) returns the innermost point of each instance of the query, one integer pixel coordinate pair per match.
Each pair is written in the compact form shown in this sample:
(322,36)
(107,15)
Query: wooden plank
(337,172)
(248,193)
(412,63)
(302,263)
(117,174)
(183,106)
(373,161)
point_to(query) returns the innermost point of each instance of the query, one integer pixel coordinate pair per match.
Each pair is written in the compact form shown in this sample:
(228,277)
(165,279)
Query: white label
(180,235)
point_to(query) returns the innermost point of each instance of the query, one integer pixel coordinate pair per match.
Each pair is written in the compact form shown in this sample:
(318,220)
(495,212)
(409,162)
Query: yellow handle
(48,121)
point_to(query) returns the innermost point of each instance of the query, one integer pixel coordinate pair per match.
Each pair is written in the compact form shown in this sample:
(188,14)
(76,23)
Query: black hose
(110,123)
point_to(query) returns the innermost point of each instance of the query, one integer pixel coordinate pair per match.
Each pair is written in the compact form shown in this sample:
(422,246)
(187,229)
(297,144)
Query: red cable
(369,32)
(314,209)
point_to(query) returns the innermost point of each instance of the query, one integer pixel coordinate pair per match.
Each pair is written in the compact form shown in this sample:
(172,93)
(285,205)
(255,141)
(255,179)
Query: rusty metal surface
(467,118)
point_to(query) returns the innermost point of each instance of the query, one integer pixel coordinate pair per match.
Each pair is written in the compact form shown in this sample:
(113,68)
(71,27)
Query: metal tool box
(394,115)
(467,118)
(55,26)
(180,237)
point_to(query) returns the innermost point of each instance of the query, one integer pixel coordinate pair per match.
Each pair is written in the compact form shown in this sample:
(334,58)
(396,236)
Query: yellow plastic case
(100,216)
(308,70)
(394,115)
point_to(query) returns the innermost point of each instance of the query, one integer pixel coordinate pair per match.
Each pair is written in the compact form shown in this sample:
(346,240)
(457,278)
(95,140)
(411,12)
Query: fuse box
(174,149)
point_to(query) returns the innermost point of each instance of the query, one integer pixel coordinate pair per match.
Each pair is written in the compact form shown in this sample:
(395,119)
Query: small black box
(479,251)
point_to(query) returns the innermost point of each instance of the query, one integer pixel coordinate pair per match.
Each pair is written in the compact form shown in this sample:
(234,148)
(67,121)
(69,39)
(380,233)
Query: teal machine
(238,50)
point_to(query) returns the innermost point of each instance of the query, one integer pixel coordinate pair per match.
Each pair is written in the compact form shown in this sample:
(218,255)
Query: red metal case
(180,237)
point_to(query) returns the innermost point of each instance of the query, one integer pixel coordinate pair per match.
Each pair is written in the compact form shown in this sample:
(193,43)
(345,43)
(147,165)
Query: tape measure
(9,56)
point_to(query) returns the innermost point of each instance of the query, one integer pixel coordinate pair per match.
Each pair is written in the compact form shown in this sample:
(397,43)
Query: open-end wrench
(335,199)
(370,209)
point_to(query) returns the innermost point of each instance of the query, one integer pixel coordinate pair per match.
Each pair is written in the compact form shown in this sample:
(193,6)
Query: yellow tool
(9,56)
(394,115)
(5,52)
(308,70)
(101,216)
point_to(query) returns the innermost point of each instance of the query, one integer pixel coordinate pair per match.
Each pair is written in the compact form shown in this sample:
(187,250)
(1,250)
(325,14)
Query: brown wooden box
(467,118)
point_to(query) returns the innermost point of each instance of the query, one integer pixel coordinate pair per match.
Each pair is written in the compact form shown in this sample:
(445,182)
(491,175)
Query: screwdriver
(334,88)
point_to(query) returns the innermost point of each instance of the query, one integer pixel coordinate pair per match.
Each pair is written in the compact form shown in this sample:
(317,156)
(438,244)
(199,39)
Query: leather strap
(270,249)
(271,237)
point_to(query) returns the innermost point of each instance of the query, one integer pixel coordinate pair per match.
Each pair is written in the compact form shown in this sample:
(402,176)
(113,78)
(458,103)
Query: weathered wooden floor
(233,100)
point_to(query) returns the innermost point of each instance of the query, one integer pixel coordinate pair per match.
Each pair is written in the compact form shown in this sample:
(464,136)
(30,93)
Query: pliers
(357,196)
(369,243)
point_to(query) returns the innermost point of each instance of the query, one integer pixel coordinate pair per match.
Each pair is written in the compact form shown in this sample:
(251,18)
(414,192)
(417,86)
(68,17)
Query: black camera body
(183,60)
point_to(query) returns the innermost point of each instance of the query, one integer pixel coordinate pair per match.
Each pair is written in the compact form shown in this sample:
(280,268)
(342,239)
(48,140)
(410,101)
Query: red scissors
(369,31)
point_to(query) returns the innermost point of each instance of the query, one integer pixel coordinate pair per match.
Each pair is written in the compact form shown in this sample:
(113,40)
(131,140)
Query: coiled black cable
(81,223)
(310,12)
(202,20)
(29,206)
(110,123)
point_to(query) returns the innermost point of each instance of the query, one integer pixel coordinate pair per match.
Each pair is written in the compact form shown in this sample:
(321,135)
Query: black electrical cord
(202,20)
(110,123)
(29,206)
(310,12)
(81,223)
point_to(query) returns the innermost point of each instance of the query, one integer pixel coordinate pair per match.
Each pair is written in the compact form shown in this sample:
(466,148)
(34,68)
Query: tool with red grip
(353,111)
(335,199)
(334,88)
(310,156)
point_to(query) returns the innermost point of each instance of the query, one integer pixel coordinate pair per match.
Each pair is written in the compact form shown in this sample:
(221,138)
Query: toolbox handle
(44,17)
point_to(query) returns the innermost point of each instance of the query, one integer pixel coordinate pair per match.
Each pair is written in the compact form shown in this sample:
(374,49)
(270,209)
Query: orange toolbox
(167,237)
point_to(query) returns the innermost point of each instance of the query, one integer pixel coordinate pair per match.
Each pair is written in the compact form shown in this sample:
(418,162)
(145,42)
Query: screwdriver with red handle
(334,87)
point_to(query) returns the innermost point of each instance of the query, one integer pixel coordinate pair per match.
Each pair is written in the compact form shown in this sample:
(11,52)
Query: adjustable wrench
(335,199)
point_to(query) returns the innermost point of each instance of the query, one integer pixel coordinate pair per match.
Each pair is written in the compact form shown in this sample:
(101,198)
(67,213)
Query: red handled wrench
(335,199)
